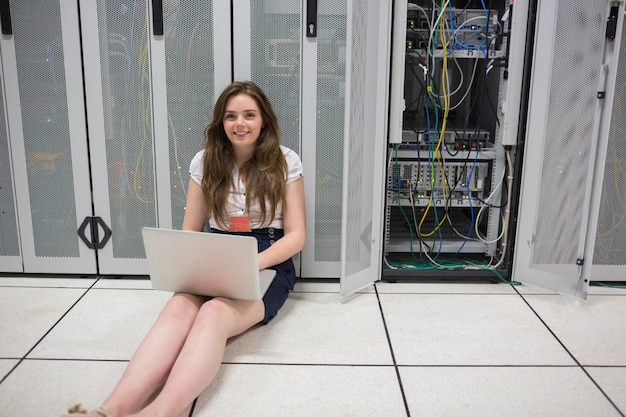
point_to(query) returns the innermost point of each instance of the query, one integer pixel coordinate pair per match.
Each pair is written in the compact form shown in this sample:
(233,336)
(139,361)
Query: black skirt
(285,278)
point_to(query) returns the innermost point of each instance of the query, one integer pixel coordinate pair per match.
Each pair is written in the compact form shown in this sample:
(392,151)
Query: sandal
(78,411)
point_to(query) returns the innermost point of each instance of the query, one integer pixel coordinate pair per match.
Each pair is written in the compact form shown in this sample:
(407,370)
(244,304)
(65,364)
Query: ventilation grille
(357,133)
(331,77)
(126,82)
(610,247)
(574,72)
(189,57)
(45,122)
(276,56)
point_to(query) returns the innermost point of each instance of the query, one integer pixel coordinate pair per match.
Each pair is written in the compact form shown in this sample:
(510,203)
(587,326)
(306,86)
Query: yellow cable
(446,108)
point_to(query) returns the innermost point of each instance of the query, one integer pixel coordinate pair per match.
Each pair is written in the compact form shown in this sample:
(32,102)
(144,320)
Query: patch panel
(462,140)
(456,184)
(464,29)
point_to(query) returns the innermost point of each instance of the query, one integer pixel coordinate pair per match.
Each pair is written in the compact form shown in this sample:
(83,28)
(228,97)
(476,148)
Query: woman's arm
(195,210)
(294,226)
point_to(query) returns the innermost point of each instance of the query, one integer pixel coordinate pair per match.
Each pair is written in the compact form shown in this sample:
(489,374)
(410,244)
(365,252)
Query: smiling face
(242,123)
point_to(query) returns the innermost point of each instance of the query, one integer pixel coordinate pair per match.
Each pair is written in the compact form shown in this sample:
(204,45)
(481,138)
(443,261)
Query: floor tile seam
(545,294)
(314,364)
(49,359)
(606,295)
(458,365)
(602,391)
(44,287)
(603,366)
(572,356)
(393,356)
(290,364)
(549,329)
(86,290)
(315,292)
(5,376)
(449,293)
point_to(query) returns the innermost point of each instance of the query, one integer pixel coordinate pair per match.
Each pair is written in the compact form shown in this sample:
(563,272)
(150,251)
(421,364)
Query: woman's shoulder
(294,164)
(290,154)
(196,166)
(198,156)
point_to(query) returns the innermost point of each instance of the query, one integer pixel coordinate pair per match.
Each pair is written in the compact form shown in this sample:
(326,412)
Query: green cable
(602,284)
(406,219)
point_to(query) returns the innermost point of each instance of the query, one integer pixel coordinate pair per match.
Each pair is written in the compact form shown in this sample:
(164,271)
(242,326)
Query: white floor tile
(51,282)
(468,330)
(503,391)
(296,364)
(317,328)
(28,313)
(48,388)
(303,391)
(593,330)
(613,382)
(105,324)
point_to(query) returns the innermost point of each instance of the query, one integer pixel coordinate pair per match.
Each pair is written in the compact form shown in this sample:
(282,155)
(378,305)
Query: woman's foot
(78,411)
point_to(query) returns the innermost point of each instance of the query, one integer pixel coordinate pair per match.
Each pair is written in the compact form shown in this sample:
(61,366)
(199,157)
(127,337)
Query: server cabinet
(151,79)
(149,94)
(44,107)
(571,209)
(317,84)
(454,111)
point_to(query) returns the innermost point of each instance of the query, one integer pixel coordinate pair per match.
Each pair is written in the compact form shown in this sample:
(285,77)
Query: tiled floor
(419,349)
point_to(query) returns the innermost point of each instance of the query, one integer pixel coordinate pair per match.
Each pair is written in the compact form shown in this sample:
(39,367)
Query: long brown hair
(264,174)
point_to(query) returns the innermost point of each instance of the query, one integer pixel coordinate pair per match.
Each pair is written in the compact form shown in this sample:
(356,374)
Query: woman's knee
(181,306)
(231,316)
(216,310)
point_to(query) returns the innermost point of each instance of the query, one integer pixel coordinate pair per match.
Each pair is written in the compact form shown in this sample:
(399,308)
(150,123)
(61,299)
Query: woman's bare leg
(201,356)
(155,356)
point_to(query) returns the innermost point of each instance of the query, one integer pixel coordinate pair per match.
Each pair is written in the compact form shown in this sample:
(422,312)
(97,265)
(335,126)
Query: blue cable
(462,45)
(432,185)
(469,196)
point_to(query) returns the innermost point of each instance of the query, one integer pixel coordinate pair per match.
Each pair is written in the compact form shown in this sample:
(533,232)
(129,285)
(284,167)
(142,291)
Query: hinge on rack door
(580,261)
(93,223)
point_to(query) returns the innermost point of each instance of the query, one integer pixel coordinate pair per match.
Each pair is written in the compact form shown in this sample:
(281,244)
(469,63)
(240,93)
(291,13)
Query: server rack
(450,153)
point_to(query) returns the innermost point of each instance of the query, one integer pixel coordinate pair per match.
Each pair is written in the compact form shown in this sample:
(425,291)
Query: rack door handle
(157,17)
(93,223)
(311,18)
(5,17)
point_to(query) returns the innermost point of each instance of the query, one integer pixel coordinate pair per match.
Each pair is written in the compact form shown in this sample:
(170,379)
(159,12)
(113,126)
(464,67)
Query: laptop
(210,264)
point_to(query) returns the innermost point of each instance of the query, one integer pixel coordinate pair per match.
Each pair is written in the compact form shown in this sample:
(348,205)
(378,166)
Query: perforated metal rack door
(609,255)
(116,39)
(363,185)
(189,82)
(42,69)
(329,132)
(275,56)
(150,96)
(560,145)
